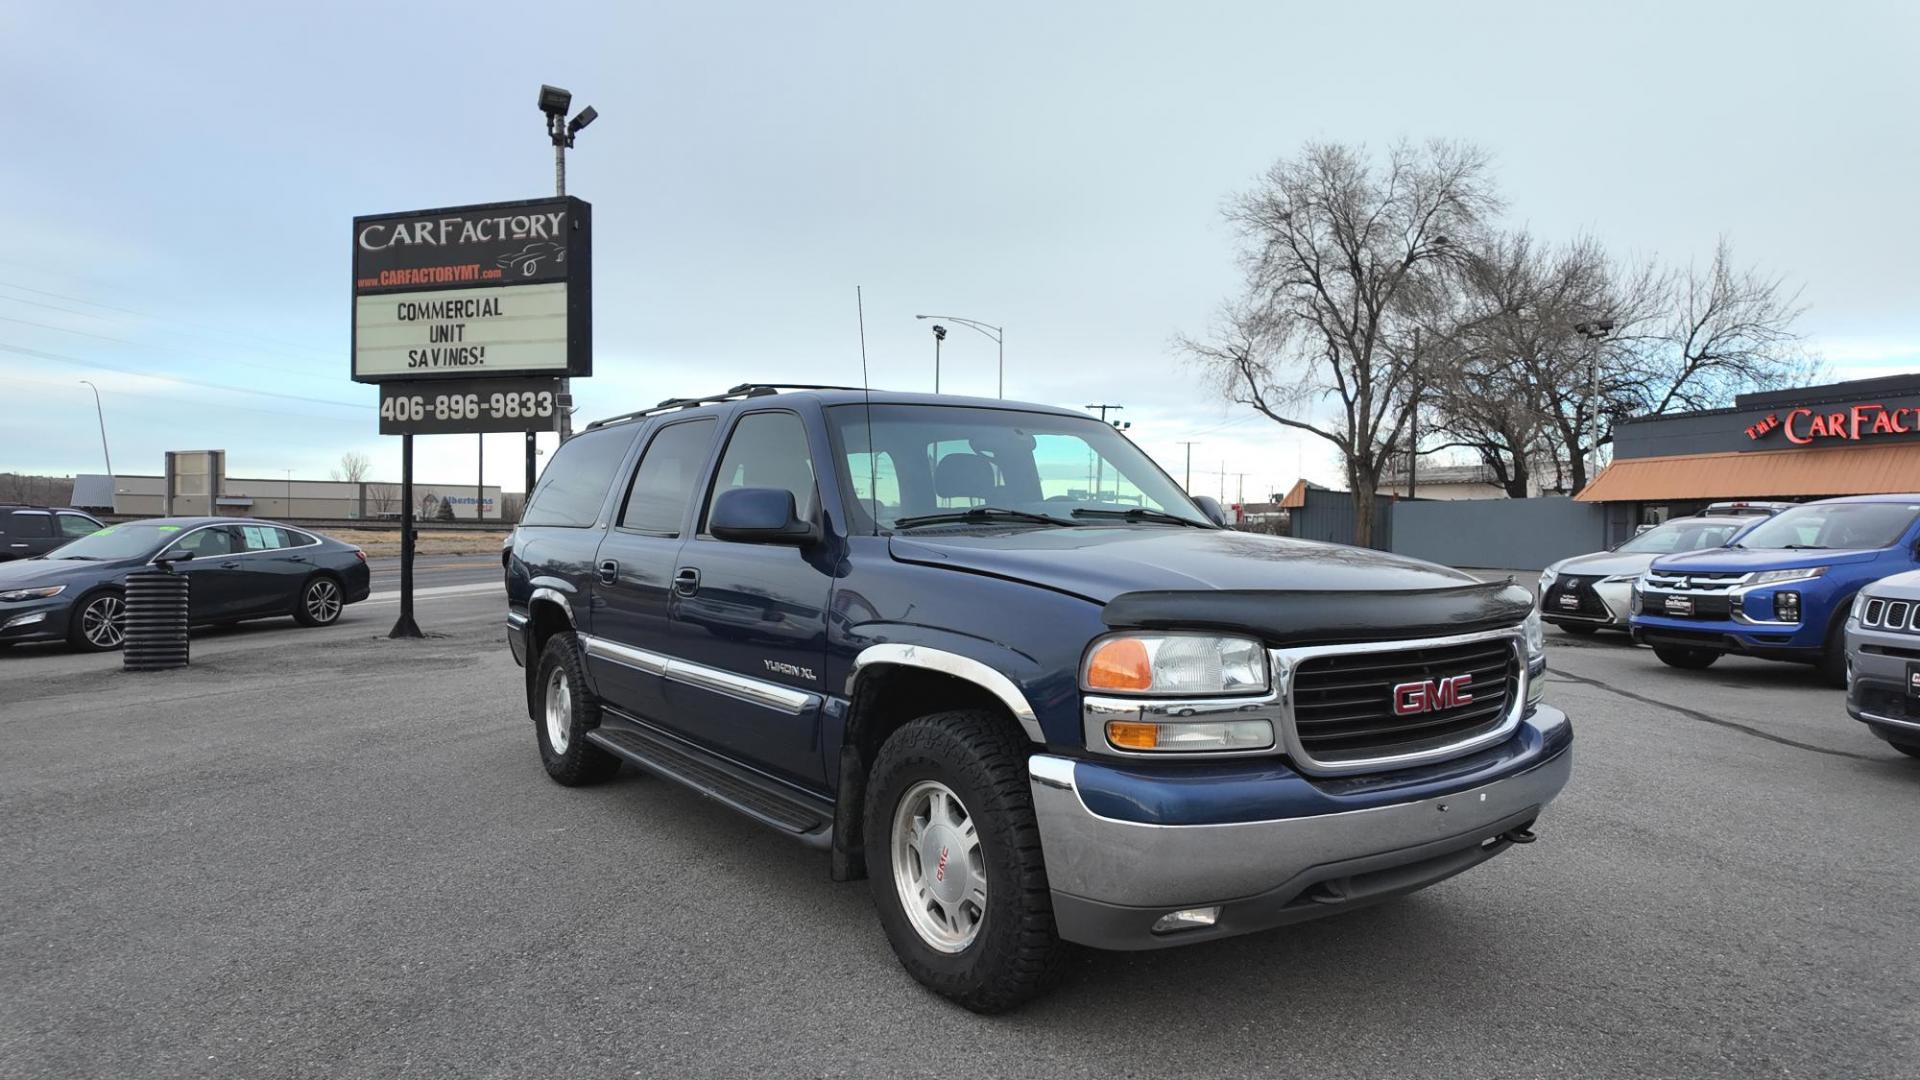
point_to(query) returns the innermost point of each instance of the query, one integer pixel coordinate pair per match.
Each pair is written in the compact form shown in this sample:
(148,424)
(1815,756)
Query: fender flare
(958,666)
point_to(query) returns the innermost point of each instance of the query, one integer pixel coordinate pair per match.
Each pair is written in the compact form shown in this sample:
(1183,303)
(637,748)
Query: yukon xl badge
(793,670)
(1412,698)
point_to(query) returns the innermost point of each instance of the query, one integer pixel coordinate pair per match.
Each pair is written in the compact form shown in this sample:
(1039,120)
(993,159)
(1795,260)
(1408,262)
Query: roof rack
(744,390)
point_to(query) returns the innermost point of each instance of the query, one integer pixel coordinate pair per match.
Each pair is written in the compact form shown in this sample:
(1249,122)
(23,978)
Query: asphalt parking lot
(321,853)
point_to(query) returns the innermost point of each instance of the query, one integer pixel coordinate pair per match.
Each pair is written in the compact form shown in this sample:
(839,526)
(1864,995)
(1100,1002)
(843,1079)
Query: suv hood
(1742,560)
(1100,563)
(1604,564)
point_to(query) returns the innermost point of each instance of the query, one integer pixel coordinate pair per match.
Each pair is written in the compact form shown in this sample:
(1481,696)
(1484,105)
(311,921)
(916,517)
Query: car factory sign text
(500,289)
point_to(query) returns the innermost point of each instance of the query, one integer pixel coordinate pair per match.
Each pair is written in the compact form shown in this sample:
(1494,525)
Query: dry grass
(386,542)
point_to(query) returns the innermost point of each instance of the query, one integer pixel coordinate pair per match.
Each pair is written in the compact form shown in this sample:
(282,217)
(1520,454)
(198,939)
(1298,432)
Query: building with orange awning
(1850,438)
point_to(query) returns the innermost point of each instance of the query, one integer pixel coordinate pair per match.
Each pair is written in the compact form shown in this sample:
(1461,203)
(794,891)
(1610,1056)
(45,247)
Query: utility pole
(939,335)
(1595,332)
(1413,441)
(480,481)
(1188,485)
(1099,463)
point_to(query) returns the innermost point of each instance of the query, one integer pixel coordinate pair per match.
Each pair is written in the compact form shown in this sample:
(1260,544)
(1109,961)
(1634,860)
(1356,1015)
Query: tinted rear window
(575,484)
(26,523)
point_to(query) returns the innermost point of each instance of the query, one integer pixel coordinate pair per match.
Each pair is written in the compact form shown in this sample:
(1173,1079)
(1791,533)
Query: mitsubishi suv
(990,658)
(1780,590)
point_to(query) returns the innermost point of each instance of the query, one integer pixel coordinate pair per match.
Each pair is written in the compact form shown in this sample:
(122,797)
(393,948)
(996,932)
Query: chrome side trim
(960,667)
(625,655)
(754,691)
(759,692)
(1285,661)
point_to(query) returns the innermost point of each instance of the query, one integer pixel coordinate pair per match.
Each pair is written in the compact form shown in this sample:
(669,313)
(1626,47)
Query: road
(319,853)
(435,570)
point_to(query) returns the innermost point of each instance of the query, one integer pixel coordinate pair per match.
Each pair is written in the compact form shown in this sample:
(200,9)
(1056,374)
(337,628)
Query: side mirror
(1212,508)
(173,555)
(759,516)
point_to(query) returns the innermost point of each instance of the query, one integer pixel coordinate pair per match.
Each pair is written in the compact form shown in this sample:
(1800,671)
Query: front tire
(321,601)
(1577,629)
(1686,658)
(99,622)
(954,857)
(563,712)
(1832,664)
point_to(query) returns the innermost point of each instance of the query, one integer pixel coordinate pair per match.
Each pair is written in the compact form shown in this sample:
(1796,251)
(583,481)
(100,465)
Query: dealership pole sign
(499,289)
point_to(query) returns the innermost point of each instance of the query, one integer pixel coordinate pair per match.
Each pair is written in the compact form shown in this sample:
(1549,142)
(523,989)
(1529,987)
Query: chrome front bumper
(1112,879)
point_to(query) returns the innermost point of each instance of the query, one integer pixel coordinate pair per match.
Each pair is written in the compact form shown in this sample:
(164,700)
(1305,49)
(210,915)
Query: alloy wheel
(939,870)
(559,711)
(323,601)
(104,622)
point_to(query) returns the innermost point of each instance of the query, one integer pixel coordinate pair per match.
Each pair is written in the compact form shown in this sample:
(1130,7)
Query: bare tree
(1343,257)
(353,467)
(35,490)
(383,499)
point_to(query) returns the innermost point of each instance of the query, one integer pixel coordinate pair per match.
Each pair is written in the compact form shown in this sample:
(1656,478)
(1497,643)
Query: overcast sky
(177,183)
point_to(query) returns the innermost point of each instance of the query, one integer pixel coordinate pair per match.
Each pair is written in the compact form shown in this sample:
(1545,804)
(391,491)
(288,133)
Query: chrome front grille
(1341,714)
(1711,583)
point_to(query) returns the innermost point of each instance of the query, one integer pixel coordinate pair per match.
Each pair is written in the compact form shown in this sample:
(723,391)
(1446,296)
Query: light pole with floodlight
(101,414)
(997,333)
(555,102)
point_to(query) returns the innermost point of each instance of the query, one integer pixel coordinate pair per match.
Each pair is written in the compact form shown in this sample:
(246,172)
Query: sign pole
(405,627)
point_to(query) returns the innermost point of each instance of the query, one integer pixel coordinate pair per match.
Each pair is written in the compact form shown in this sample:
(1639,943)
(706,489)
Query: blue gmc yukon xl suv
(1780,589)
(990,657)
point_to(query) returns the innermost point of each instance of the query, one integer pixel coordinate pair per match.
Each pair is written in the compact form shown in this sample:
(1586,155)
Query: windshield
(118,542)
(1834,525)
(942,459)
(1679,536)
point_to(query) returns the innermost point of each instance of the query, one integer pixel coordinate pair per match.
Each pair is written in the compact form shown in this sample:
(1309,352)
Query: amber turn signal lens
(1120,664)
(1129,735)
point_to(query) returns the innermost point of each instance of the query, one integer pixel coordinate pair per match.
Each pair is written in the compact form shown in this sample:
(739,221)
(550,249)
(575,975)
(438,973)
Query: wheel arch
(548,613)
(891,685)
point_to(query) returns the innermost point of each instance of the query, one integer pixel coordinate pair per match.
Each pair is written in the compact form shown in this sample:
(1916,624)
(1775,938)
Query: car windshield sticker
(168,528)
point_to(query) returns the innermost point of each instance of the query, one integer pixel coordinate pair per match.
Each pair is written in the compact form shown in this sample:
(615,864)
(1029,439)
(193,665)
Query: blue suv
(991,658)
(1779,590)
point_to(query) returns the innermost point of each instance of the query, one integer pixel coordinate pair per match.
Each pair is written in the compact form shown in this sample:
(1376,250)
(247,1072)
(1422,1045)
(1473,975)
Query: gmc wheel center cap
(943,863)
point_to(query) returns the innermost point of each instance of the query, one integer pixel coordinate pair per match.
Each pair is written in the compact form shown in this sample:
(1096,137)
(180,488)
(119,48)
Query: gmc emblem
(1412,698)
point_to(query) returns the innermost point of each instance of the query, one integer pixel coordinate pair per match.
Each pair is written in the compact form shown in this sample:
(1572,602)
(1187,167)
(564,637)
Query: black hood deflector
(1301,617)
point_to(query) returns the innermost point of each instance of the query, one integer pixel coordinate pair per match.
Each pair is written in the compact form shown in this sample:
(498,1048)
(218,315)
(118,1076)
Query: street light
(939,335)
(1596,331)
(101,415)
(997,333)
(555,102)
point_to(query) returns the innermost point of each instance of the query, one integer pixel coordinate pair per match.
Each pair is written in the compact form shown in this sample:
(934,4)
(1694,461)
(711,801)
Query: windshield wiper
(1805,547)
(1140,513)
(979,513)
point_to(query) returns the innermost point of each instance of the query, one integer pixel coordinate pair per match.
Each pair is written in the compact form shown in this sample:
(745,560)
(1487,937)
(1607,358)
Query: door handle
(230,564)
(686,581)
(296,558)
(609,571)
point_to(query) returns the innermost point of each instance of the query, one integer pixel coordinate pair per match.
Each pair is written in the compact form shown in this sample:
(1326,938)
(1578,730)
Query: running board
(803,817)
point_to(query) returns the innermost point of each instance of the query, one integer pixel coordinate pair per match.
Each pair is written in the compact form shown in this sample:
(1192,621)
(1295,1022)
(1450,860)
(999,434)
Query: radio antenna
(866,388)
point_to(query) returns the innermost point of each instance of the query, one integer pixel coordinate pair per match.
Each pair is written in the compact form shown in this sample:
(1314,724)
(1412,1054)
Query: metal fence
(1510,534)
(1328,516)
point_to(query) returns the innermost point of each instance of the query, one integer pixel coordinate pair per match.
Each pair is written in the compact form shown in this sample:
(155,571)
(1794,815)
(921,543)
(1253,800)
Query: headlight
(1618,578)
(1774,577)
(31,594)
(1536,637)
(1151,663)
(1546,581)
(1859,605)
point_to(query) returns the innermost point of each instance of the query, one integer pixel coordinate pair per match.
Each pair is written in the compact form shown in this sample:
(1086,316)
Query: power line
(157,318)
(118,393)
(278,369)
(58,358)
